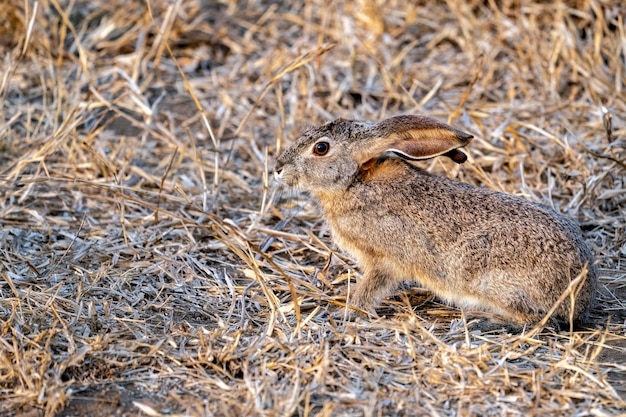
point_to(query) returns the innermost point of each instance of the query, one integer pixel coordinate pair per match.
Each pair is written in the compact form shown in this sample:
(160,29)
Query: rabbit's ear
(418,137)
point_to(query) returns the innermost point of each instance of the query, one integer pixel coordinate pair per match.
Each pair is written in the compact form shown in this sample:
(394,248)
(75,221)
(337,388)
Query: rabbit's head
(326,159)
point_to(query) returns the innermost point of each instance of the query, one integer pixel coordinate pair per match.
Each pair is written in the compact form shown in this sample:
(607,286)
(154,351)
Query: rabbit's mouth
(281,178)
(278,175)
(291,179)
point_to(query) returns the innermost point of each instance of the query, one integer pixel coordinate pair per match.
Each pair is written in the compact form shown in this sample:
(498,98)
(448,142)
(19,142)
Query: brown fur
(473,247)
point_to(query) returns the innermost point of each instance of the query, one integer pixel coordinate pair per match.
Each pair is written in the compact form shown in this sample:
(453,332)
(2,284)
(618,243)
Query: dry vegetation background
(149,267)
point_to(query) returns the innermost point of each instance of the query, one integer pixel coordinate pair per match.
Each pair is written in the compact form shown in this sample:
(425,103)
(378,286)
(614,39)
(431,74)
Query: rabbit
(473,247)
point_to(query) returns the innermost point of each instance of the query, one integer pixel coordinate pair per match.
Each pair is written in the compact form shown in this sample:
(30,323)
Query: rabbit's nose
(278,173)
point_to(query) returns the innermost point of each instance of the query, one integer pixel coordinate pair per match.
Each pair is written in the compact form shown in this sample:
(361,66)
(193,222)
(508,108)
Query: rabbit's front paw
(373,287)
(348,312)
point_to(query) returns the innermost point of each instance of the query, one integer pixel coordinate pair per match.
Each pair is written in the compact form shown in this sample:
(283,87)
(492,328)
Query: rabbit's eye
(321,148)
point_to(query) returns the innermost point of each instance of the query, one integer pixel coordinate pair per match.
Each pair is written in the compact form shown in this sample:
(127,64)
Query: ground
(150,266)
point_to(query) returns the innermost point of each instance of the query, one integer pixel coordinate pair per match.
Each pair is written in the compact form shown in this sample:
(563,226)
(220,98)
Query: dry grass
(148,268)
